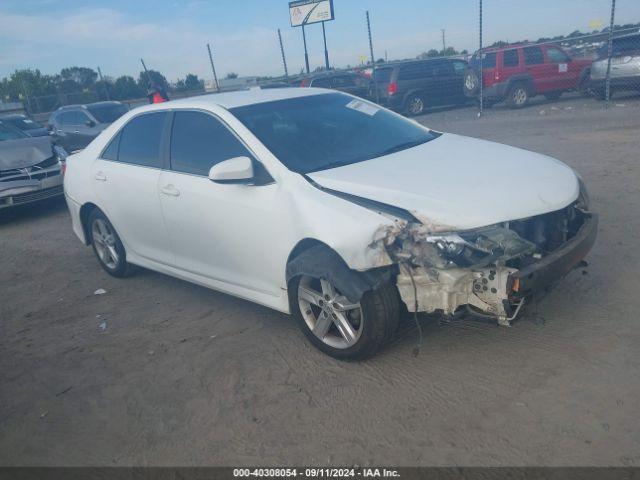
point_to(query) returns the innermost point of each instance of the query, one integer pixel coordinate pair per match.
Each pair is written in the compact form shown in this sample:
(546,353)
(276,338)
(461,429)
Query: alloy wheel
(330,316)
(519,96)
(105,243)
(416,106)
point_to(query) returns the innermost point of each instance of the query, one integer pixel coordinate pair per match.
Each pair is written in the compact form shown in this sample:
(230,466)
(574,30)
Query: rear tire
(415,105)
(107,245)
(518,96)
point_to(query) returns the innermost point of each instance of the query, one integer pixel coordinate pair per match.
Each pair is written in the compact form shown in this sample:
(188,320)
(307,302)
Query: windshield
(23,123)
(7,132)
(107,113)
(319,132)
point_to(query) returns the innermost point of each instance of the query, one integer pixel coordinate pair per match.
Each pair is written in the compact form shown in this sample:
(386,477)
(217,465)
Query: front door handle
(170,190)
(100,176)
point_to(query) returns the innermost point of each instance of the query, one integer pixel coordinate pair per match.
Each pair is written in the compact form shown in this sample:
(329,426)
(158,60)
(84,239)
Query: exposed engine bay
(477,271)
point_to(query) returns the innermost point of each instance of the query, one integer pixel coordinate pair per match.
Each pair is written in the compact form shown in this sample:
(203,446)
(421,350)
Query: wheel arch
(316,258)
(522,78)
(85,213)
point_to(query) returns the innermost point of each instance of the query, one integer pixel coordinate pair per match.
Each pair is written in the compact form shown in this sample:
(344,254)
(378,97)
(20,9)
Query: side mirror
(234,170)
(90,123)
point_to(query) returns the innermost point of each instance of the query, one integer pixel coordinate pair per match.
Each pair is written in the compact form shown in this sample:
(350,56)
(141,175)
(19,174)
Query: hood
(24,152)
(458,183)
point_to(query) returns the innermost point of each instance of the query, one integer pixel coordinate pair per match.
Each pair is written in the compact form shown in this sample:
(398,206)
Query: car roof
(240,98)
(85,105)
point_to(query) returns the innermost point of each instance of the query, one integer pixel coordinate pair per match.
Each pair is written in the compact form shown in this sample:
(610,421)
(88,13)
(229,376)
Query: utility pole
(373,59)
(104,84)
(147,72)
(609,53)
(480,54)
(284,60)
(444,45)
(213,69)
(326,52)
(306,54)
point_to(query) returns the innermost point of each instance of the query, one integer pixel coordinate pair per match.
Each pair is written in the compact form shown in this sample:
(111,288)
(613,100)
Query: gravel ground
(157,371)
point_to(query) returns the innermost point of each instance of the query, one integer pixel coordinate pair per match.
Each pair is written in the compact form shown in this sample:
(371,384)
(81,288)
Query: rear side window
(199,141)
(383,75)
(343,81)
(412,71)
(533,55)
(556,55)
(111,152)
(140,140)
(510,58)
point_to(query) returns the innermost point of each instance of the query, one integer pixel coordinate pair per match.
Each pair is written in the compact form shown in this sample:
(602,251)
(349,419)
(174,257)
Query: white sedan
(328,207)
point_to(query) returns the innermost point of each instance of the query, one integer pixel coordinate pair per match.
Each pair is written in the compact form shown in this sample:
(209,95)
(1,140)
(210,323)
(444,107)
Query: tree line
(84,84)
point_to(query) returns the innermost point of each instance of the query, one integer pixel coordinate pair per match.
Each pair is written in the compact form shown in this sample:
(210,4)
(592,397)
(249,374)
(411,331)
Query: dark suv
(411,87)
(74,126)
(516,73)
(343,81)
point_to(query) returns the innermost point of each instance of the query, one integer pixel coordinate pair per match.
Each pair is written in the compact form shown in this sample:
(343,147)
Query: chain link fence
(602,64)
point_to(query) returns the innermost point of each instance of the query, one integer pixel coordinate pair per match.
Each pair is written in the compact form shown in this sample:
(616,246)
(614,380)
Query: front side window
(533,55)
(488,60)
(318,132)
(199,141)
(140,140)
(556,55)
(459,67)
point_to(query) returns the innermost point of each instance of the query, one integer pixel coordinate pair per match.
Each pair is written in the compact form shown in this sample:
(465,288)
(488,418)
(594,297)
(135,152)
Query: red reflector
(63,167)
(392,88)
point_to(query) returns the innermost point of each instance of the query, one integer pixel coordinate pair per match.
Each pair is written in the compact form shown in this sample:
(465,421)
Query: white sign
(363,107)
(304,12)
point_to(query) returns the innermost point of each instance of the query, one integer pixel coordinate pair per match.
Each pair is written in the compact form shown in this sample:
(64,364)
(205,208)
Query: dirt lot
(160,372)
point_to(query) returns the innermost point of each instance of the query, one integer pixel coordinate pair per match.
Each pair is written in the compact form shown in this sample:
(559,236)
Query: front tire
(340,328)
(107,245)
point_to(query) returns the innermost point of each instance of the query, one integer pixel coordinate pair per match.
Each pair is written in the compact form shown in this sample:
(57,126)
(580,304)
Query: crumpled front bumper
(552,268)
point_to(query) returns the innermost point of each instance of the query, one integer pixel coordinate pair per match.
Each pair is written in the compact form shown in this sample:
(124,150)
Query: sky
(172,35)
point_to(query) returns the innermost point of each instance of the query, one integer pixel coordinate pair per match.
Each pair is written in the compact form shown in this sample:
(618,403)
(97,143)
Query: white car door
(217,230)
(126,179)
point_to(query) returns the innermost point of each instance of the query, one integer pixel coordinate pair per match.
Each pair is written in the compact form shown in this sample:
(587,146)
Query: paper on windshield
(363,107)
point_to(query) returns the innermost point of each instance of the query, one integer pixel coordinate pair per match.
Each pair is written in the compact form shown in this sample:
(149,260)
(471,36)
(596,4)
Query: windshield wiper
(402,146)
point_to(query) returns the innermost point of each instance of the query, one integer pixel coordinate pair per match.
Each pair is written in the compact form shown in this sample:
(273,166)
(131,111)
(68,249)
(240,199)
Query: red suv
(515,73)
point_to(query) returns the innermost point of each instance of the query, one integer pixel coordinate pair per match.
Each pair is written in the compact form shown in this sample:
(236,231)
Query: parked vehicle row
(513,74)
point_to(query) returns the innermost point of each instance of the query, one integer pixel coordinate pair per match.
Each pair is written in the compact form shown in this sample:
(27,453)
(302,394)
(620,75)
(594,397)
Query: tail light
(305,82)
(496,76)
(392,88)
(63,168)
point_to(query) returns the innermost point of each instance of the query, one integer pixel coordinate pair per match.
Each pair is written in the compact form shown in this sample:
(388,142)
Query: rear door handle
(170,190)
(100,176)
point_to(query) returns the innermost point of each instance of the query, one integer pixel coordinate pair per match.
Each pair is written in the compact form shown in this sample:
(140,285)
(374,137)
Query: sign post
(306,12)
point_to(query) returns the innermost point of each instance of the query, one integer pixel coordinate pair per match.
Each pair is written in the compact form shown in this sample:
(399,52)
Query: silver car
(30,167)
(625,66)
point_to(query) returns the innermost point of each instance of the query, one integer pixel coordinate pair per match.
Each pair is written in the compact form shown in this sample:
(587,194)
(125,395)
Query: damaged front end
(488,271)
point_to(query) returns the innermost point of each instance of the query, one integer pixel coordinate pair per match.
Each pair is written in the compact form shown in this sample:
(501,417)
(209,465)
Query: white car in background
(328,207)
